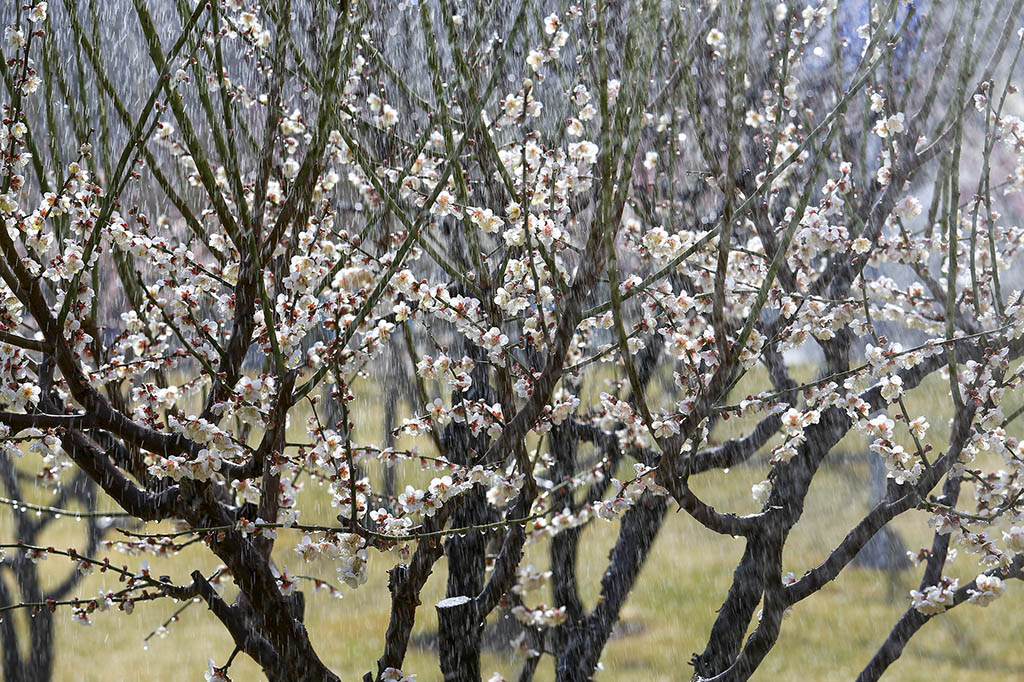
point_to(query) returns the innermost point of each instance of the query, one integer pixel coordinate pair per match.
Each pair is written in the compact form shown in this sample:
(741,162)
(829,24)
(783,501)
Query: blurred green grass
(829,636)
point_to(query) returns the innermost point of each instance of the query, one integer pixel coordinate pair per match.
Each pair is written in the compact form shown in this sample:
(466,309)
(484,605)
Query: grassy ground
(828,637)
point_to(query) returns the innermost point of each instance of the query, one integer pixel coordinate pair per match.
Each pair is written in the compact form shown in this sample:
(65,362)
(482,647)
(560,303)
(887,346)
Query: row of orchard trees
(568,231)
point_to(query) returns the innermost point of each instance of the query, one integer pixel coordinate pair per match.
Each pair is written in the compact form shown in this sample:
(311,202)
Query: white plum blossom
(485,219)
(919,427)
(396,675)
(214,673)
(889,126)
(987,589)
(908,208)
(716,39)
(892,387)
(761,491)
(1014,539)
(934,599)
(37,12)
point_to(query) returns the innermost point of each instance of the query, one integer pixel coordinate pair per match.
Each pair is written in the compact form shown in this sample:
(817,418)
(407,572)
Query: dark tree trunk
(640,525)
(460,628)
(459,639)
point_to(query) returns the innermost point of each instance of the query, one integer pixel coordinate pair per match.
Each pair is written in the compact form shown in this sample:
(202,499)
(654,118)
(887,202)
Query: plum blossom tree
(575,229)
